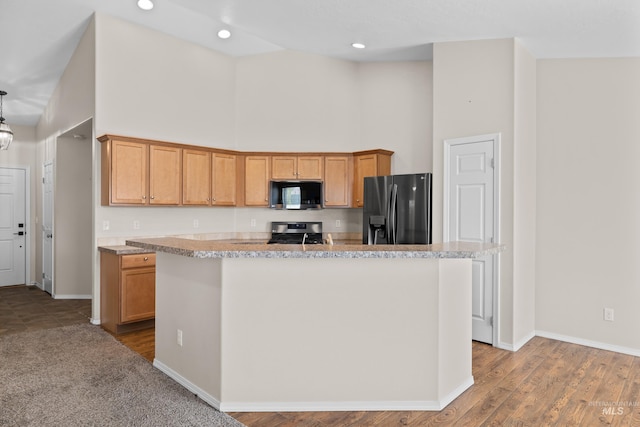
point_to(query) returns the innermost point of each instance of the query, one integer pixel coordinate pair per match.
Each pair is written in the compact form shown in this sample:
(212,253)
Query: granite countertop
(260,249)
(124,250)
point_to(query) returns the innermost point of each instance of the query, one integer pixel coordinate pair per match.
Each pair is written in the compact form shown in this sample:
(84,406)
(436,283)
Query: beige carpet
(81,376)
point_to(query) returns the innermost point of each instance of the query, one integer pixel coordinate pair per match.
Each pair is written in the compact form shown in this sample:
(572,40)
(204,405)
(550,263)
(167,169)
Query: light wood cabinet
(297,167)
(208,178)
(337,181)
(125,173)
(196,177)
(368,163)
(127,291)
(139,173)
(224,179)
(256,181)
(165,175)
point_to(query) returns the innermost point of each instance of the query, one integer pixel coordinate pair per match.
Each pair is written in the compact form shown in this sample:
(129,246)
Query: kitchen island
(257,327)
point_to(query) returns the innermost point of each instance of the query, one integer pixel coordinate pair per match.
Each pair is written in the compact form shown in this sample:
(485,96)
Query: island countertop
(248,249)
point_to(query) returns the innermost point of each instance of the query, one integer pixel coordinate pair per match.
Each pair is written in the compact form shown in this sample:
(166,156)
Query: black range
(296,233)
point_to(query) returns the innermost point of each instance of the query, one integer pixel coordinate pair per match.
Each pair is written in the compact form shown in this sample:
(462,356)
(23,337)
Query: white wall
(485,87)
(397,111)
(282,101)
(154,86)
(588,194)
(524,195)
(71,103)
(293,101)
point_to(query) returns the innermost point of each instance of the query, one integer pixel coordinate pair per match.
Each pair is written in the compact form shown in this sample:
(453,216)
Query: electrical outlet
(196,223)
(608,314)
(338,223)
(105,225)
(253,222)
(179,337)
(136,225)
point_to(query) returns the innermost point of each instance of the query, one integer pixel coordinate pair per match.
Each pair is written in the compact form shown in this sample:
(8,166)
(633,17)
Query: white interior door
(47,228)
(13,226)
(471,217)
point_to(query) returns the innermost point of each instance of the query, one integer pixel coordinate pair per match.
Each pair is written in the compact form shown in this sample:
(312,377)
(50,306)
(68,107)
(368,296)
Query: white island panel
(278,334)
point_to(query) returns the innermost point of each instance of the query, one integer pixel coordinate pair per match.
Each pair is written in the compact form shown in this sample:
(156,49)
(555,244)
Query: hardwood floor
(546,383)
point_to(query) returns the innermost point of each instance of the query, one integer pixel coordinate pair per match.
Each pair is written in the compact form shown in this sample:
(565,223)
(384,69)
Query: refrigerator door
(377,199)
(413,209)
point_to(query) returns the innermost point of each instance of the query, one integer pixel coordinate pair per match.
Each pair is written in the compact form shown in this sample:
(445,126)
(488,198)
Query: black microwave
(295,194)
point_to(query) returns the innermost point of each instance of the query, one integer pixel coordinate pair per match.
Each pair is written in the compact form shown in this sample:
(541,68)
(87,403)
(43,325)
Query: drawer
(138,260)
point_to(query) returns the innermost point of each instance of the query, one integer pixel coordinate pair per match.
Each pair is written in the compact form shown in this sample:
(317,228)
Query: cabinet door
(310,167)
(283,167)
(336,182)
(138,294)
(196,177)
(224,179)
(364,166)
(129,173)
(165,173)
(256,181)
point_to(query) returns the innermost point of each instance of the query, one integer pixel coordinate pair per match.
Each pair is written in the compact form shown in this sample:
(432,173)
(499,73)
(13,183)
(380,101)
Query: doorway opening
(68,265)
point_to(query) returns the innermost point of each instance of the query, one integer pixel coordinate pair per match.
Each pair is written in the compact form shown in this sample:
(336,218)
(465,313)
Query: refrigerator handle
(393,217)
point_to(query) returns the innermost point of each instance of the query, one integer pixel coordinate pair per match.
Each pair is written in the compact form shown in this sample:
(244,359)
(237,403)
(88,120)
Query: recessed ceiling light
(224,34)
(358,45)
(145,4)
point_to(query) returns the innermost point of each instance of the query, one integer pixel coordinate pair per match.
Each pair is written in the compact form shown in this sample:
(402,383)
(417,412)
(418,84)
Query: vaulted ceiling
(39,36)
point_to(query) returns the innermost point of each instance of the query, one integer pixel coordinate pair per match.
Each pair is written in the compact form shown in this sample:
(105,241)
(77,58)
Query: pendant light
(6,136)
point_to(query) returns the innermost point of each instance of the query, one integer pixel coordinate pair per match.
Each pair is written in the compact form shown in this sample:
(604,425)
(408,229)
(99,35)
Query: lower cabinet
(127,291)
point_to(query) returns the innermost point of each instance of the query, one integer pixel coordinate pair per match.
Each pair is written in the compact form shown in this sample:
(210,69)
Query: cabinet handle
(214,199)
(153,197)
(144,197)
(146,258)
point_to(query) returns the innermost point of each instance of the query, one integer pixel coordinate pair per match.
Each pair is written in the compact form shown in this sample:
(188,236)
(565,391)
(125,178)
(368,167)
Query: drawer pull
(146,258)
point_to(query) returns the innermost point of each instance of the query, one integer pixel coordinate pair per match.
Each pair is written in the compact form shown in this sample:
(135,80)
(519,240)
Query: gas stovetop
(296,233)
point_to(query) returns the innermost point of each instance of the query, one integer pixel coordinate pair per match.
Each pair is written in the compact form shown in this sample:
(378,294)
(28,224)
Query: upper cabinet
(256,180)
(297,167)
(368,163)
(165,175)
(196,177)
(224,183)
(125,172)
(138,173)
(337,181)
(208,178)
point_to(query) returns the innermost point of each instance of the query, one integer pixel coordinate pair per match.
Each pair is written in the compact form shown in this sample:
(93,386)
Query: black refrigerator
(397,210)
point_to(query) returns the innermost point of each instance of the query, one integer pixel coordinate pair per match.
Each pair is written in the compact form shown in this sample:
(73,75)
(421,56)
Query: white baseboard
(72,296)
(421,405)
(36,284)
(455,393)
(589,343)
(187,384)
(518,345)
